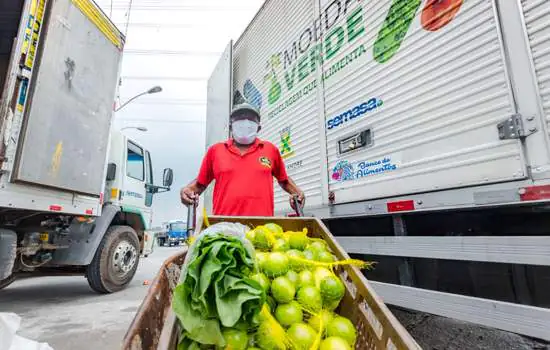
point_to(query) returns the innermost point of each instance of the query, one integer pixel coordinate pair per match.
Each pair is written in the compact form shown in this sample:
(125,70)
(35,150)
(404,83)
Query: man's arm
(292,189)
(190,193)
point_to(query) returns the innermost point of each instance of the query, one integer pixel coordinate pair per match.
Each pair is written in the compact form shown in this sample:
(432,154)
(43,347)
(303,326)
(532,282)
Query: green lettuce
(215,290)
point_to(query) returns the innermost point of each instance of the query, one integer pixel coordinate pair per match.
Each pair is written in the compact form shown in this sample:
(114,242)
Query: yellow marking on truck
(35,26)
(101,21)
(56,159)
(28,29)
(114,193)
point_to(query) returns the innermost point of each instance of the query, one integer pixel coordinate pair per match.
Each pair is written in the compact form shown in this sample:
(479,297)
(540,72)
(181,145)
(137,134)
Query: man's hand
(188,196)
(300,196)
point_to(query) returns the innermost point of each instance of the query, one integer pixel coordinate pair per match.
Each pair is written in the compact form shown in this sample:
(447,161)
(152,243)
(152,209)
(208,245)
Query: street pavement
(68,315)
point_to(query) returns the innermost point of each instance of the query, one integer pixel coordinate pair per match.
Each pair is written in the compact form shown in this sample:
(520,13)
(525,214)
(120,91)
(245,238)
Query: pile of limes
(302,295)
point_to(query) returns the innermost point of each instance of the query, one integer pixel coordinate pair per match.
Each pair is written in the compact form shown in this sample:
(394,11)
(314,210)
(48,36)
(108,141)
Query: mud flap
(83,239)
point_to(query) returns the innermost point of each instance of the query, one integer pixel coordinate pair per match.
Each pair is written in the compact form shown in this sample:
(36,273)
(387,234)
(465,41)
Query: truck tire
(115,261)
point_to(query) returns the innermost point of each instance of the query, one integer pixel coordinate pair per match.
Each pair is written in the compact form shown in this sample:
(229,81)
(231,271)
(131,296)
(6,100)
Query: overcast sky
(174,44)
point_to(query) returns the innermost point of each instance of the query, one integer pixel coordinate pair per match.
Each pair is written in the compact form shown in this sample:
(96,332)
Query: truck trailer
(75,195)
(418,130)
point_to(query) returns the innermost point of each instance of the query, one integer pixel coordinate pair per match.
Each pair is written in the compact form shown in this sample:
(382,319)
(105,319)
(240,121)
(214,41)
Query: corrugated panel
(537,20)
(260,64)
(218,109)
(431,95)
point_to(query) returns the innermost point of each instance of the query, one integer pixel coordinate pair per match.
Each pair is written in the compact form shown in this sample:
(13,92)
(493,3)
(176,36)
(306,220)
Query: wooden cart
(155,325)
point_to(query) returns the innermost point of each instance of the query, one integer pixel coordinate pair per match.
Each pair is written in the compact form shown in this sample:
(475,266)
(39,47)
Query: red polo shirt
(244,182)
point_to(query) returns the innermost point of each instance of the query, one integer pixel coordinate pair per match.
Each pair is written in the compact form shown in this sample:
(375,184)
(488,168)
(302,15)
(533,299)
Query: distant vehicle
(175,232)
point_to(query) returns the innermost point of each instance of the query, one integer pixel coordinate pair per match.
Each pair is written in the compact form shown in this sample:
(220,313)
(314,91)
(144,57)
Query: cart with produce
(264,283)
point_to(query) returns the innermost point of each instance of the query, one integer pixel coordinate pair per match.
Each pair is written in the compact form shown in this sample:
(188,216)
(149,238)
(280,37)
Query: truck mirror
(111,172)
(168,177)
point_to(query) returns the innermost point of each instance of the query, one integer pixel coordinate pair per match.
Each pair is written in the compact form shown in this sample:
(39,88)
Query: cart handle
(191,219)
(297,206)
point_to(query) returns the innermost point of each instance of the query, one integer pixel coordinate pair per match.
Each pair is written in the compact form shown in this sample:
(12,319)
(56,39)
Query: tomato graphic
(438,13)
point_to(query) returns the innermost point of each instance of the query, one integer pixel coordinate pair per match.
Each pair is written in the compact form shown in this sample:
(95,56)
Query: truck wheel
(115,261)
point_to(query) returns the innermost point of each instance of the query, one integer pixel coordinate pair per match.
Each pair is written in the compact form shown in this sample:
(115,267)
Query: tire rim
(124,258)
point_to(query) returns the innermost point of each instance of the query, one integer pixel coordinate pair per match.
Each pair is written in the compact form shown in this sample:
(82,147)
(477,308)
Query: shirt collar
(230,144)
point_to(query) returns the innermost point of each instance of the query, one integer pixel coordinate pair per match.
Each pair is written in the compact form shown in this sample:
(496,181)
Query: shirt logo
(265,162)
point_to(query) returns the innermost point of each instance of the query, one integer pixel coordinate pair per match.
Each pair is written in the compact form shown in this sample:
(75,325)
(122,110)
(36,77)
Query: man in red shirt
(243,168)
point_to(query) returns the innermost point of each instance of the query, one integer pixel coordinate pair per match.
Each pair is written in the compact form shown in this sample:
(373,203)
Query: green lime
(282,290)
(288,314)
(293,277)
(235,339)
(343,328)
(298,240)
(262,238)
(281,245)
(317,247)
(325,257)
(306,278)
(320,273)
(274,228)
(260,259)
(275,264)
(268,338)
(310,254)
(331,305)
(332,288)
(315,320)
(310,298)
(250,235)
(301,336)
(262,280)
(295,265)
(334,343)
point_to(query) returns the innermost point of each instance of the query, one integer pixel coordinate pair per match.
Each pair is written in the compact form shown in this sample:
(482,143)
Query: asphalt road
(67,314)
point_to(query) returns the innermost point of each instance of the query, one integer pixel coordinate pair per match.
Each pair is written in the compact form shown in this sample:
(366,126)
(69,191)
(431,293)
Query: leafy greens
(215,289)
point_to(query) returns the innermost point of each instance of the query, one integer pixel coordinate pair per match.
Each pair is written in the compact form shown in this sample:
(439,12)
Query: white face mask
(245,131)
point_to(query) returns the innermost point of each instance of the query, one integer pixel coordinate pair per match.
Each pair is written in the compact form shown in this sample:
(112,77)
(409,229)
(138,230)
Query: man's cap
(244,107)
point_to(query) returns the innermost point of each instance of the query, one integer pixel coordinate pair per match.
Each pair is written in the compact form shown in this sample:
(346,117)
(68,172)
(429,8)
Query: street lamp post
(153,90)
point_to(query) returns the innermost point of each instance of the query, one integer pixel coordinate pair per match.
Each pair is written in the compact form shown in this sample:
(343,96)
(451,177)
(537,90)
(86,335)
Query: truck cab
(129,179)
(176,232)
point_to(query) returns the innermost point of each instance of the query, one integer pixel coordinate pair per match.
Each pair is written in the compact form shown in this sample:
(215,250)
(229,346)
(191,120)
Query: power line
(185,8)
(163,25)
(128,19)
(173,101)
(171,52)
(162,121)
(166,78)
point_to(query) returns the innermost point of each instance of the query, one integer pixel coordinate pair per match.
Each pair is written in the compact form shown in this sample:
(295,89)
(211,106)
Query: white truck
(75,196)
(418,130)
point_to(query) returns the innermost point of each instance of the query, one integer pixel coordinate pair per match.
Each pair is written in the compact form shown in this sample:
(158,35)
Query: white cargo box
(380,102)
(56,105)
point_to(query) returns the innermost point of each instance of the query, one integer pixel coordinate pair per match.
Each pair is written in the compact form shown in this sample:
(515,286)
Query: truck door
(420,106)
(218,107)
(65,104)
(134,196)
